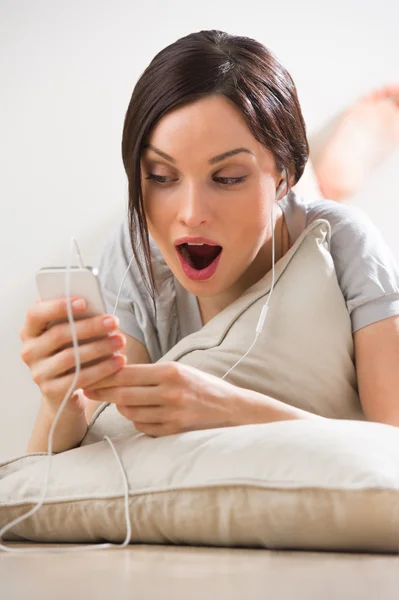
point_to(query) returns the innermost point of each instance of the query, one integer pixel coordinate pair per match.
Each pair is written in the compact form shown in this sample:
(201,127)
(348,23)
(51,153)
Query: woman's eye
(163,179)
(230,180)
(159,178)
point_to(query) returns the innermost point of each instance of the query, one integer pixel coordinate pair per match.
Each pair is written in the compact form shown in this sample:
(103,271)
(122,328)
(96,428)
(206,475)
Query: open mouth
(199,261)
(199,256)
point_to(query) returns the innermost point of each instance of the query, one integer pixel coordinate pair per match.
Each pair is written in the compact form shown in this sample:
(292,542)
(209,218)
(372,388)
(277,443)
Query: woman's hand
(168,398)
(49,353)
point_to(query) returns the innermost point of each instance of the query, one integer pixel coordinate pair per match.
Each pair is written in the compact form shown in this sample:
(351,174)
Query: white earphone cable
(50,441)
(265,307)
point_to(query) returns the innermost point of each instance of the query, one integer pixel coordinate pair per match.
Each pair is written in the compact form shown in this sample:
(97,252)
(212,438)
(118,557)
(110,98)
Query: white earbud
(281,186)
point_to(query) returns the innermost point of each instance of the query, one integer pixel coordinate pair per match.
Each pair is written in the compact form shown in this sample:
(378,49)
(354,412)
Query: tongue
(204,251)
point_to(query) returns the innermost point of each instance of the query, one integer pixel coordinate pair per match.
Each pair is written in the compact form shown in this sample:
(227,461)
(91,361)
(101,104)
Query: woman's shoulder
(366,268)
(126,287)
(354,236)
(300,213)
(350,225)
(340,216)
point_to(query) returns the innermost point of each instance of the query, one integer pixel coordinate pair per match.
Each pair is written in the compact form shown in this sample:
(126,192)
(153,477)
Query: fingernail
(116,341)
(110,322)
(78,304)
(118,358)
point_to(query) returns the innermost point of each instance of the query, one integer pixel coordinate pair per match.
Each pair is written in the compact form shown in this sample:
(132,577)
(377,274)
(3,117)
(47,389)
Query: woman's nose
(193,207)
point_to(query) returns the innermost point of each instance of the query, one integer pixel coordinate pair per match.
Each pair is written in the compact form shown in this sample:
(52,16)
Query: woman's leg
(359,140)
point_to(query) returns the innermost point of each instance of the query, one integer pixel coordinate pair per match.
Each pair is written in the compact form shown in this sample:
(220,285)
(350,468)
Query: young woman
(213,129)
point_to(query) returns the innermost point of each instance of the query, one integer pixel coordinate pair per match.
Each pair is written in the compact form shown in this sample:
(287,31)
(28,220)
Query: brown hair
(197,65)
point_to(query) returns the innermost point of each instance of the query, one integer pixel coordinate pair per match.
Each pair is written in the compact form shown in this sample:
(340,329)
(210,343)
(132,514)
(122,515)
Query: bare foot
(366,134)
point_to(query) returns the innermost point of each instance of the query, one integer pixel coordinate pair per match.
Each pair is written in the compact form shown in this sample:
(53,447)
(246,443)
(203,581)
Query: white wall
(67,70)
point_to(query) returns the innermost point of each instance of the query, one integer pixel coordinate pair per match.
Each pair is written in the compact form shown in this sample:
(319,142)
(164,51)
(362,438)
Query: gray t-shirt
(366,269)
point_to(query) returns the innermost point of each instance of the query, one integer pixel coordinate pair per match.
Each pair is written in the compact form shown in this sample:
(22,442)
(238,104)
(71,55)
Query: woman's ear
(284,184)
(281,189)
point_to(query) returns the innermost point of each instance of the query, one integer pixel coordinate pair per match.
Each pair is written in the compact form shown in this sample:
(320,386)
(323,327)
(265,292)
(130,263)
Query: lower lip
(201,275)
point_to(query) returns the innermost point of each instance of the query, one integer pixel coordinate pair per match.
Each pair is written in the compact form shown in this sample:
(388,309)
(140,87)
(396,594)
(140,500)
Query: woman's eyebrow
(211,161)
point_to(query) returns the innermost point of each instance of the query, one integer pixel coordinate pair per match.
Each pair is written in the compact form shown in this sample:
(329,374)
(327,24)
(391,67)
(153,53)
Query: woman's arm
(72,425)
(69,431)
(252,407)
(377,366)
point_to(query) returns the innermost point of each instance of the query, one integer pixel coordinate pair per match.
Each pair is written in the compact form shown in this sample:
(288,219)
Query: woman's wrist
(74,406)
(69,431)
(250,407)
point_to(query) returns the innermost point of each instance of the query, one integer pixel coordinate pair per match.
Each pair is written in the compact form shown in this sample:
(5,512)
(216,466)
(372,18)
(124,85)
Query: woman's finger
(149,415)
(151,374)
(41,313)
(127,396)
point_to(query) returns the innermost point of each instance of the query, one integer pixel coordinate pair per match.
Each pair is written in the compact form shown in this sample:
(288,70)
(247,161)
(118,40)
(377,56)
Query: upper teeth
(189,244)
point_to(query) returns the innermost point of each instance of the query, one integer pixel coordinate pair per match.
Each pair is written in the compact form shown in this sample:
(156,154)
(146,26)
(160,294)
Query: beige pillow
(306,484)
(305,354)
(330,484)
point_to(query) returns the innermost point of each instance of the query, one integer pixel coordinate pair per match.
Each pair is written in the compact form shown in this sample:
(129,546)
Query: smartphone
(84,283)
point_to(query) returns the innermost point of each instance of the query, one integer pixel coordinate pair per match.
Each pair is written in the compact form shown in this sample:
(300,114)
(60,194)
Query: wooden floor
(142,572)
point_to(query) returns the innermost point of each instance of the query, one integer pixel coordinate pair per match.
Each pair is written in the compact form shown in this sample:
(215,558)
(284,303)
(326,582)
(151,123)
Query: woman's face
(190,190)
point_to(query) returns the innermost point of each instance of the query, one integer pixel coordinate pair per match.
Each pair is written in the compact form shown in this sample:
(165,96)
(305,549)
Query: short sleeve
(113,263)
(366,268)
(157,327)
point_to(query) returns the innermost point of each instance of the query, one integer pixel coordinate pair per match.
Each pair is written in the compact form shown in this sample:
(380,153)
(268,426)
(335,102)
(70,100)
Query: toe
(387,92)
